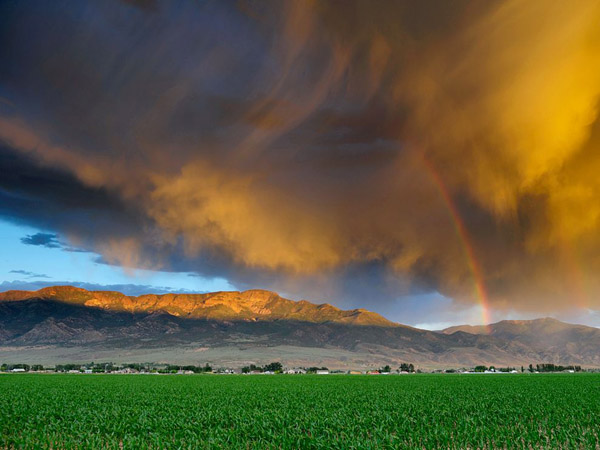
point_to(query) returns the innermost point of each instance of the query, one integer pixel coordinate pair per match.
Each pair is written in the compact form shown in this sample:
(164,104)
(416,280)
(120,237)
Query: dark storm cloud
(356,151)
(147,5)
(52,198)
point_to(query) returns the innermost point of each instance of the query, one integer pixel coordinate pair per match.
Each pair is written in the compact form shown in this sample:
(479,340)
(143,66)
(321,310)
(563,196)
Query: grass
(205,411)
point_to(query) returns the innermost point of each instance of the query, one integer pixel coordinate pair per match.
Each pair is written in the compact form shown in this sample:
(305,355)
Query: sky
(435,162)
(32,259)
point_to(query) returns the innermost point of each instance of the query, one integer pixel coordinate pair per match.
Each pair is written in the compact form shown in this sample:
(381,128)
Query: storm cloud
(326,149)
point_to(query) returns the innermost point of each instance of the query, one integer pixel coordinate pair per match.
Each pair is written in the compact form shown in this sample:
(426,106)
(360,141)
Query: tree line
(108,367)
(404,367)
(553,368)
(273,367)
(537,368)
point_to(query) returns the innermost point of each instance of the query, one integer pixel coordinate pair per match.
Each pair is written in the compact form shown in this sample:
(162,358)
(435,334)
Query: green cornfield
(300,411)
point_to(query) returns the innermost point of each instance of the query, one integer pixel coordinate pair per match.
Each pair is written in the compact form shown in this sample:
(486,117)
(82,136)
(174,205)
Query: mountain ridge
(67,324)
(253,304)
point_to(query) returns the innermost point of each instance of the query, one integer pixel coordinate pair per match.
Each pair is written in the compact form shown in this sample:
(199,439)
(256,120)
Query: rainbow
(463,237)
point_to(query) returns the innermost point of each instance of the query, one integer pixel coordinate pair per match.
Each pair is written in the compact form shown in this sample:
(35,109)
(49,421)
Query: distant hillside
(66,324)
(537,330)
(547,337)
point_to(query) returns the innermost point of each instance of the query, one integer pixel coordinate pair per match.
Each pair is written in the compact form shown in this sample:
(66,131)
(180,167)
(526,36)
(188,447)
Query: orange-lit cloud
(450,148)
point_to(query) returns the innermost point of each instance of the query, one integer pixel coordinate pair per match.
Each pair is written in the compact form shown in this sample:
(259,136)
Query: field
(283,411)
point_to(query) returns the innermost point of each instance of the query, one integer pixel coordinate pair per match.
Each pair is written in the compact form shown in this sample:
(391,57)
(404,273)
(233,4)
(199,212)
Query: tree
(273,367)
(386,369)
(405,367)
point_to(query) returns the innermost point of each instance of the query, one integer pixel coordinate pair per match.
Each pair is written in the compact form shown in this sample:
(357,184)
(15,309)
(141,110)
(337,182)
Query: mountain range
(67,324)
